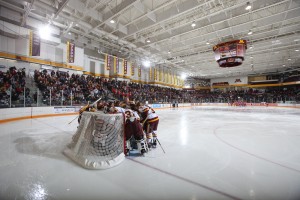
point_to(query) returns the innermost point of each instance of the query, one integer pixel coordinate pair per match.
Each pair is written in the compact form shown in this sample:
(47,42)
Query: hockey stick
(90,105)
(96,101)
(73,119)
(160,145)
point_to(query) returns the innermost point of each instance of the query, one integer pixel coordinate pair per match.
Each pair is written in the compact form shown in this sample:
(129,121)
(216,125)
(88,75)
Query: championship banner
(174,79)
(139,72)
(70,52)
(155,71)
(132,69)
(34,44)
(150,73)
(117,65)
(108,61)
(125,66)
(160,75)
(166,77)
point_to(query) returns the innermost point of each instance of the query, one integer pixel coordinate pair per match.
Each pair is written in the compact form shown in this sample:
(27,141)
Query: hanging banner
(125,66)
(173,79)
(117,65)
(139,71)
(155,74)
(166,77)
(150,73)
(160,75)
(70,52)
(34,44)
(108,61)
(132,69)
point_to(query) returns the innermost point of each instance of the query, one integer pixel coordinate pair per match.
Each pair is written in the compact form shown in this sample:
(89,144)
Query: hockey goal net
(98,142)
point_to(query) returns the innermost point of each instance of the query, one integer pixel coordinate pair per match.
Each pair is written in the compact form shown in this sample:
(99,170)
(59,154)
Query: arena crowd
(62,87)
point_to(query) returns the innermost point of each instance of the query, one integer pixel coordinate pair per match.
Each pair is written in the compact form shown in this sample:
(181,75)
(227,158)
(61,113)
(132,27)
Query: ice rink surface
(211,153)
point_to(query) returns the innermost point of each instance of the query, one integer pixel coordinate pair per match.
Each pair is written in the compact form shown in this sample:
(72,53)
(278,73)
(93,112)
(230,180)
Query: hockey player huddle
(141,122)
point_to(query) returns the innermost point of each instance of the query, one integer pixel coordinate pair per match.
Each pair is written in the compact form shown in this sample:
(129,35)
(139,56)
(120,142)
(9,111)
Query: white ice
(211,153)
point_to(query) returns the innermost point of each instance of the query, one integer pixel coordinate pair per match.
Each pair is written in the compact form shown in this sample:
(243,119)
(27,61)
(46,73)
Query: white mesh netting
(99,141)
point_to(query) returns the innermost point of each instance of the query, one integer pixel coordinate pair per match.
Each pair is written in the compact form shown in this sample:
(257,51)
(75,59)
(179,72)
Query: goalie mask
(129,115)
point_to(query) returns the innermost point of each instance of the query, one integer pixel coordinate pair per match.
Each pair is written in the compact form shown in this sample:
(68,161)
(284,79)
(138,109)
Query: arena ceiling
(162,32)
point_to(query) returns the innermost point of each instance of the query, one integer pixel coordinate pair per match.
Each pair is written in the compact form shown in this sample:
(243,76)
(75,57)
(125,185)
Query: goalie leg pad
(141,146)
(128,146)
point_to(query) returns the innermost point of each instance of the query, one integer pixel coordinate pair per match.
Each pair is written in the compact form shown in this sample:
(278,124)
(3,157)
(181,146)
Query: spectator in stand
(88,88)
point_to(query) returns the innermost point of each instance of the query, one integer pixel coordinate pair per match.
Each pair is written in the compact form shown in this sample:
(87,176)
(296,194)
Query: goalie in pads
(134,130)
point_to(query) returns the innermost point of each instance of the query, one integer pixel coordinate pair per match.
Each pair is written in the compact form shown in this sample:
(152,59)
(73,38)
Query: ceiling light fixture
(207,43)
(148,40)
(248,6)
(112,21)
(45,31)
(146,63)
(297,50)
(193,24)
(250,32)
(169,52)
(283,65)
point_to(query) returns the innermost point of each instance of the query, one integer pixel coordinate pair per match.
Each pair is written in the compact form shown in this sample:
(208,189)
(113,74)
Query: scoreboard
(230,54)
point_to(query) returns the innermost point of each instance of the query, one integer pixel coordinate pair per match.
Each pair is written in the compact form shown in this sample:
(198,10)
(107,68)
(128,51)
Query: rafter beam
(172,12)
(27,11)
(61,7)
(235,26)
(108,16)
